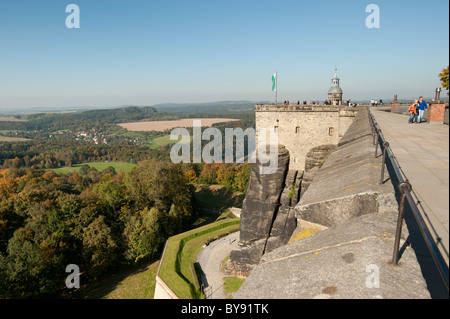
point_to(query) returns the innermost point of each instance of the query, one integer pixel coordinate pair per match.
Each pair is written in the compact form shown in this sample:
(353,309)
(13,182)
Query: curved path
(210,259)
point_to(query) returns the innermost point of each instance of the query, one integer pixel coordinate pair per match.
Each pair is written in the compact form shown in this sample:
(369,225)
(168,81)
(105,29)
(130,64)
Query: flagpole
(276,87)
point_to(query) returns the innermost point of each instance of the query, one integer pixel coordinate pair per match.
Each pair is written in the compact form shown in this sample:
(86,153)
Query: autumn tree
(444,78)
(95,220)
(191,176)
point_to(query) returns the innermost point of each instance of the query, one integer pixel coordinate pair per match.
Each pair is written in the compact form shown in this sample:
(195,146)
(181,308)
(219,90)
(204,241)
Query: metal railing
(405,189)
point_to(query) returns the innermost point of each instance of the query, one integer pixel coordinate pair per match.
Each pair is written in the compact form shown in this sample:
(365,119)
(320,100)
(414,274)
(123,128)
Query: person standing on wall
(422,107)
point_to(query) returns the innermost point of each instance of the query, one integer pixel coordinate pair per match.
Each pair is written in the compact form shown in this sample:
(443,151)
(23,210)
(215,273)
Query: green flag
(274,82)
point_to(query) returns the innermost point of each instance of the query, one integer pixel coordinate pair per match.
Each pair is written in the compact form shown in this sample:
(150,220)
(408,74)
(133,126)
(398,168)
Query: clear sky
(147,52)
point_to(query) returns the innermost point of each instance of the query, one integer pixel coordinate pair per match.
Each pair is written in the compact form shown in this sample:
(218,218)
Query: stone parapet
(436,113)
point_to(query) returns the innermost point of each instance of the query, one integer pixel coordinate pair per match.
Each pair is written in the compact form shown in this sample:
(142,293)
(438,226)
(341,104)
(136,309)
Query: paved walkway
(210,259)
(423,153)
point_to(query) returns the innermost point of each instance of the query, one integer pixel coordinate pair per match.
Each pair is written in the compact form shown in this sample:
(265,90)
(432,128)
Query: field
(164,140)
(10,119)
(13,139)
(100,166)
(161,126)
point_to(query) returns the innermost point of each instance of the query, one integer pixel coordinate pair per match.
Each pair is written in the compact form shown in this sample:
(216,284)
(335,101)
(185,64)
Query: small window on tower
(330,131)
(297,130)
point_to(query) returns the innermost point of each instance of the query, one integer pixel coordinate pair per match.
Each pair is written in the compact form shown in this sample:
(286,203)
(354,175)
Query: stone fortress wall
(301,128)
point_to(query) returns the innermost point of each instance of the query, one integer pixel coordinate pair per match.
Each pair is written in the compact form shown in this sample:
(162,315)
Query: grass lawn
(164,140)
(176,270)
(135,283)
(232,284)
(100,166)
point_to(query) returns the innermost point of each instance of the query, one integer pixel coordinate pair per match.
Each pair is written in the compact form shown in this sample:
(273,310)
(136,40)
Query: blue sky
(149,52)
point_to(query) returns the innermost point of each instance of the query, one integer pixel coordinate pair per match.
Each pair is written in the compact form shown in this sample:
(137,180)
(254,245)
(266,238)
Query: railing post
(401,213)
(376,144)
(383,161)
(374,131)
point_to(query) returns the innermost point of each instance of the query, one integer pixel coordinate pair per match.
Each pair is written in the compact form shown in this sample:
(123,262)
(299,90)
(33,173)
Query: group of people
(326,102)
(417,110)
(348,103)
(375,102)
(304,102)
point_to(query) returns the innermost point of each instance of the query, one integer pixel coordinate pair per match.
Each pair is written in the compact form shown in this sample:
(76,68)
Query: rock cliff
(259,210)
(268,217)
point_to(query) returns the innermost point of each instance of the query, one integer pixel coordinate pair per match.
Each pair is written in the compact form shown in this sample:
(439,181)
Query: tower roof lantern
(335,88)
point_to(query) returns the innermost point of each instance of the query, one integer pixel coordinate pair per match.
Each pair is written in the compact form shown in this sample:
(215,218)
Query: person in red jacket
(412,112)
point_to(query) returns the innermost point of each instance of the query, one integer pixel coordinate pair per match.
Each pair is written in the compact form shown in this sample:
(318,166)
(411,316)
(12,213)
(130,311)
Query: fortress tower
(301,128)
(335,92)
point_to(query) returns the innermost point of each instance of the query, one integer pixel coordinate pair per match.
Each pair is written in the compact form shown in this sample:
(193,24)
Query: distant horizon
(168,105)
(11,109)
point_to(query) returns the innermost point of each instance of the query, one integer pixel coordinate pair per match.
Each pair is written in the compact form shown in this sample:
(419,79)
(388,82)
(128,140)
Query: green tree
(159,185)
(112,191)
(26,271)
(84,170)
(9,222)
(109,170)
(144,235)
(99,246)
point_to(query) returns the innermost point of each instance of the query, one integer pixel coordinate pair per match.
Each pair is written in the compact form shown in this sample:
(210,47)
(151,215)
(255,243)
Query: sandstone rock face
(291,191)
(268,218)
(261,216)
(285,221)
(284,225)
(314,160)
(263,199)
